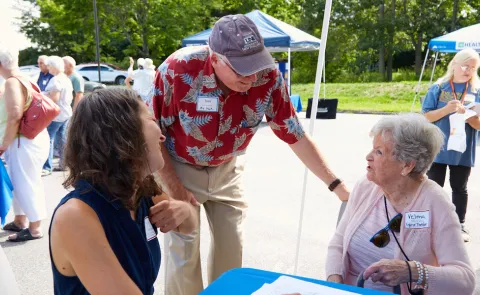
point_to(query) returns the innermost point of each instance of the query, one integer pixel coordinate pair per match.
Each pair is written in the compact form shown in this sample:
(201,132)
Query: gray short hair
(413,137)
(42,57)
(56,62)
(221,57)
(70,60)
(8,57)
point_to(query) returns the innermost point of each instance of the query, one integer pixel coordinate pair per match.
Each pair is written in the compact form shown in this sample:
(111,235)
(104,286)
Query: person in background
(24,157)
(399,227)
(60,90)
(449,95)
(101,236)
(77,80)
(78,84)
(142,81)
(140,63)
(44,76)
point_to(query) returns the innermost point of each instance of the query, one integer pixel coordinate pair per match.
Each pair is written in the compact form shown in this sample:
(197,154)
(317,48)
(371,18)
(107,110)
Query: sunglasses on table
(382,238)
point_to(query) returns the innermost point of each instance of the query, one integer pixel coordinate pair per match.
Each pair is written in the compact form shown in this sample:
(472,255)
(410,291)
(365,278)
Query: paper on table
(264,290)
(289,285)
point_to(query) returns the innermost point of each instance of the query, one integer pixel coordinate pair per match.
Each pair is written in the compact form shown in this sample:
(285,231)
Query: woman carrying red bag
(24,157)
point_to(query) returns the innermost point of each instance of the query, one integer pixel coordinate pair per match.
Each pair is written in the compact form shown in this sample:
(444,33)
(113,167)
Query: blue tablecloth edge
(275,275)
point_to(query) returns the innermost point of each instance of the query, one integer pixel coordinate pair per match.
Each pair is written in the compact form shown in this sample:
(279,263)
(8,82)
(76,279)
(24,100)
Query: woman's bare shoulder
(73,213)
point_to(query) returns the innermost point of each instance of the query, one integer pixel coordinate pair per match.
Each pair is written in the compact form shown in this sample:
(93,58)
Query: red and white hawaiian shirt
(203,127)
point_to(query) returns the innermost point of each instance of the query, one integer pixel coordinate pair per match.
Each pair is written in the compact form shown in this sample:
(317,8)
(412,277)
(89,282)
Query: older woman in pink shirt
(399,228)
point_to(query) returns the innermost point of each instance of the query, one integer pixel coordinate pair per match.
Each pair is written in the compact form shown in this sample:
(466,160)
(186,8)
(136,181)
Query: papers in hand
(472,109)
(457,141)
(288,285)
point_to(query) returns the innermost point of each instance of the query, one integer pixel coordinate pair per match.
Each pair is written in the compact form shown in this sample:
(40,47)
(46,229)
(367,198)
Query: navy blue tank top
(139,257)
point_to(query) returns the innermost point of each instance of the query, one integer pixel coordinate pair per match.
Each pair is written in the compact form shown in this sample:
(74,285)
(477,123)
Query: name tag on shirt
(417,219)
(44,82)
(207,104)
(149,231)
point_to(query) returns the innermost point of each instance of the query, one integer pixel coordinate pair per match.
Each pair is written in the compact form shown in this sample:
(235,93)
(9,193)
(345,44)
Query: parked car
(109,73)
(32,71)
(91,86)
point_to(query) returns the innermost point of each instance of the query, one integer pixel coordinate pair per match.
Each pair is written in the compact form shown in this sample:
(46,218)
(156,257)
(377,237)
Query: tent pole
(417,89)
(434,66)
(313,116)
(324,83)
(289,86)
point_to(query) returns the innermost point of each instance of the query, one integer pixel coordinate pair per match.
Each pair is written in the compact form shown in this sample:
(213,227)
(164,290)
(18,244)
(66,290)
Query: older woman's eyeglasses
(382,238)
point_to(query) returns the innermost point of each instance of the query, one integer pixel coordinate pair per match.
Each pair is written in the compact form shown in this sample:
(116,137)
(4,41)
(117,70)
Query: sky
(9,30)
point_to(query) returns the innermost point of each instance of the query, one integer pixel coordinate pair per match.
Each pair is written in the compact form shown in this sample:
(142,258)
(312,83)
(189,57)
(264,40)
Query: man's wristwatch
(334,184)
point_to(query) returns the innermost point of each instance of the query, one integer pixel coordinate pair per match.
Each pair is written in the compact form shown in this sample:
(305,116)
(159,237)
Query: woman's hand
(3,149)
(131,61)
(168,215)
(390,272)
(335,279)
(454,106)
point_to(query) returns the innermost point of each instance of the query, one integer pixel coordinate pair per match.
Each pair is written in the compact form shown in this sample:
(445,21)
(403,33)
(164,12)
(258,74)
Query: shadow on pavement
(5,233)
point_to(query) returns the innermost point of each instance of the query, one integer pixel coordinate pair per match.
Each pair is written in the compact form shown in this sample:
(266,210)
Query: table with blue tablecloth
(245,281)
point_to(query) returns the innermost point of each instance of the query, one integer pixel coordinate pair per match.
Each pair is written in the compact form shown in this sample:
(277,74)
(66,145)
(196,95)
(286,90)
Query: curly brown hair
(106,146)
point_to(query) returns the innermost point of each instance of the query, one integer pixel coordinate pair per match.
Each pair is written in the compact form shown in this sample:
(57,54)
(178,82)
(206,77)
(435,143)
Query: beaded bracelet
(426,277)
(420,272)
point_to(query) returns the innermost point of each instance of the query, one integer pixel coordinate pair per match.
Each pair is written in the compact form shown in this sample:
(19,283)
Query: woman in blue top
(101,237)
(459,87)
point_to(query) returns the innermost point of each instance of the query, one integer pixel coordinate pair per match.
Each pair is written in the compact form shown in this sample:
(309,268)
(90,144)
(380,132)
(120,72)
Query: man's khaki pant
(220,191)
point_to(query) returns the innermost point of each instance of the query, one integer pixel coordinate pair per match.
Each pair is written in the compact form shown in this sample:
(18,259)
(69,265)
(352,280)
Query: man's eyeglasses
(382,238)
(230,66)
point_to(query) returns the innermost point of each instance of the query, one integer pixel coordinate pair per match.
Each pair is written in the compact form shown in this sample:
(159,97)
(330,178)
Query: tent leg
(313,117)
(417,89)
(324,83)
(434,66)
(289,82)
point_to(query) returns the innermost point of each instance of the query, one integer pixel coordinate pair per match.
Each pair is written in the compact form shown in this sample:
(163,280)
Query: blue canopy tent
(278,37)
(468,37)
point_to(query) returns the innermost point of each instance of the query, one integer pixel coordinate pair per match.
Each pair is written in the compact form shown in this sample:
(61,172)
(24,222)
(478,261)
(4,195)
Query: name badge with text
(149,231)
(417,219)
(207,104)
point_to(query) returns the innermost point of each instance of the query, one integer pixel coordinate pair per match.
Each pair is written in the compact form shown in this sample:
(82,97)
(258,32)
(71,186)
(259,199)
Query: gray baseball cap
(237,38)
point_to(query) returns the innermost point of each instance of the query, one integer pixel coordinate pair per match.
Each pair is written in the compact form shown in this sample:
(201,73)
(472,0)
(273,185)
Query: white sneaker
(46,172)
(465,233)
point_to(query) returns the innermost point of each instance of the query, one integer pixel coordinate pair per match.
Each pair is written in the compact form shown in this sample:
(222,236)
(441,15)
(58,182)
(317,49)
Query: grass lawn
(367,97)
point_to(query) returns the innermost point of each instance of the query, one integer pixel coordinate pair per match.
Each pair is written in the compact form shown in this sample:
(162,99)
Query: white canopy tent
(468,37)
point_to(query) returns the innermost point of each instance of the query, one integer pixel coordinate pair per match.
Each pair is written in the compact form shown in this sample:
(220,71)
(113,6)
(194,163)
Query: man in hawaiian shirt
(210,101)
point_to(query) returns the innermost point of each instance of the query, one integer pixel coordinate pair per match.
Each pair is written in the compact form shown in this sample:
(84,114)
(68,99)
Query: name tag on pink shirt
(417,219)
